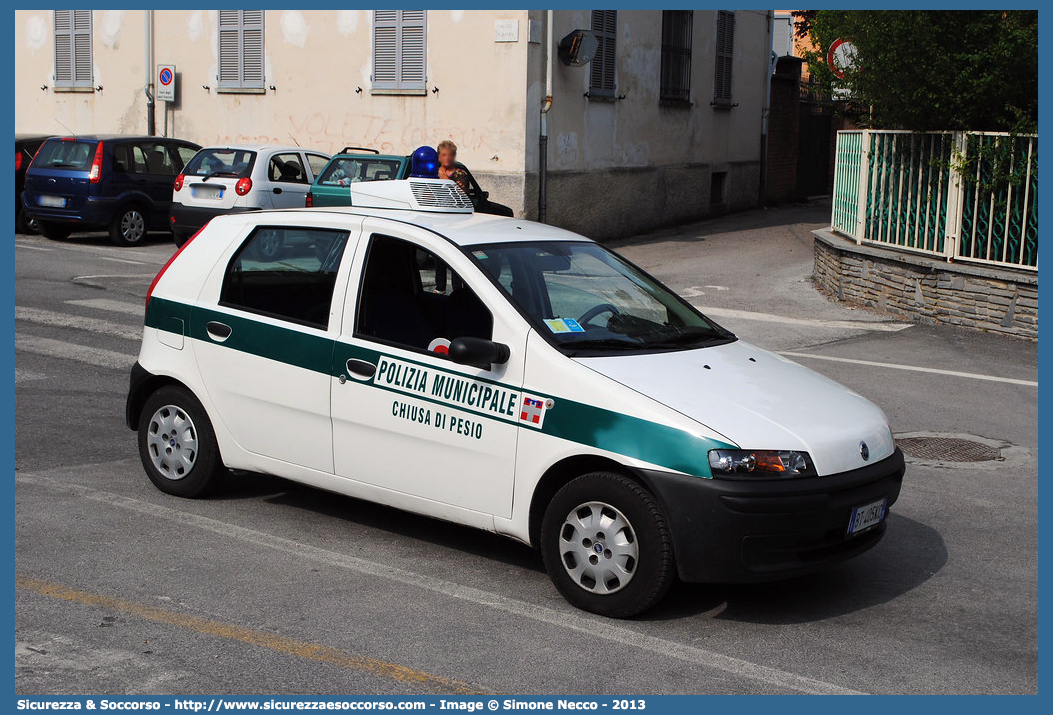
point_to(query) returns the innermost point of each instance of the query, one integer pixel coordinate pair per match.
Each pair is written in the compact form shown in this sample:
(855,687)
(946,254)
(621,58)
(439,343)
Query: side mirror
(486,194)
(478,352)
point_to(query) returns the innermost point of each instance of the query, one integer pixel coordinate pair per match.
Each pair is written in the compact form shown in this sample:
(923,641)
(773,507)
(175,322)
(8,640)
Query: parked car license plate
(866,516)
(206,192)
(52,201)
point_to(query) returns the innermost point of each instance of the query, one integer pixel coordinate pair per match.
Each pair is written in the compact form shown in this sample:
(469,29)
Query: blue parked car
(118,183)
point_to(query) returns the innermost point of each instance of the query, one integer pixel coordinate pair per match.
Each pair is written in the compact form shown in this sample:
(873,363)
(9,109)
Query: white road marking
(112,306)
(585,624)
(914,368)
(810,322)
(27,375)
(124,260)
(31,248)
(77,322)
(71,351)
(102,251)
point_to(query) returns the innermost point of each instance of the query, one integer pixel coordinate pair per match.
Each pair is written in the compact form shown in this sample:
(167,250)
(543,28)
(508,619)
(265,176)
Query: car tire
(54,231)
(24,224)
(180,238)
(129,226)
(606,545)
(177,444)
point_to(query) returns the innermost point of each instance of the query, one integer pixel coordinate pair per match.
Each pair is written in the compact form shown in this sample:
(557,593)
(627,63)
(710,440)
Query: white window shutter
(412,50)
(82,59)
(400,50)
(241,55)
(63,48)
(385,49)
(252,74)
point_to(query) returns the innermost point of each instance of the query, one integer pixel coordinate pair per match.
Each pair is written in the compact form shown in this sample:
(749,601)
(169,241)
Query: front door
(405,417)
(266,348)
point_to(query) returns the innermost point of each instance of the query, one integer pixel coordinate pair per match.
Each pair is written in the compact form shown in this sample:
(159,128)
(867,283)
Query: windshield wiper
(689,338)
(220,173)
(599,344)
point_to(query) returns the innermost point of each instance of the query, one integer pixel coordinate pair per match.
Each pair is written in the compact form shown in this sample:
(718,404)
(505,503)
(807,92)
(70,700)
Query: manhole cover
(948,449)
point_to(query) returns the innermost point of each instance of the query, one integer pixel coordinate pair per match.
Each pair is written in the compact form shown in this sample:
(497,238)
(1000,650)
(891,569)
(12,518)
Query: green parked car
(354,164)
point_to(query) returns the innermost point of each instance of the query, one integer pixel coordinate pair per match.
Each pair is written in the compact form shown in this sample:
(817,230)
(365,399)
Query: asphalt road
(270,587)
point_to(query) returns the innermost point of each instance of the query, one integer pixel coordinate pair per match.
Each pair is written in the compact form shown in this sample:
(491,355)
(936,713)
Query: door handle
(217,331)
(277,189)
(361,369)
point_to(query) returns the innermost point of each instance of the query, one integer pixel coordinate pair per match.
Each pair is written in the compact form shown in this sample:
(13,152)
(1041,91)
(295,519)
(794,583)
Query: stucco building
(665,124)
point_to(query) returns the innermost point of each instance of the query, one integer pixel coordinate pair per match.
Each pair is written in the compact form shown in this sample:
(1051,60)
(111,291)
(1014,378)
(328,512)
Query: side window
(156,159)
(286,272)
(317,162)
(122,159)
(411,298)
(287,167)
(186,153)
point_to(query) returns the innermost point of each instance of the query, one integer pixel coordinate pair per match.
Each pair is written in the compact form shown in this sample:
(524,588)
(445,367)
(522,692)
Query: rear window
(70,155)
(221,162)
(344,172)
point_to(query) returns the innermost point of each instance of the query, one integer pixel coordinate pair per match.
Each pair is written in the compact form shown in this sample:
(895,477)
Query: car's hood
(759,400)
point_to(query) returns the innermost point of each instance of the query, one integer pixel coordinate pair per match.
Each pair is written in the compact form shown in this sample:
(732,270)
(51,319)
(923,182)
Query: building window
(241,51)
(601,76)
(399,51)
(725,55)
(676,57)
(73,49)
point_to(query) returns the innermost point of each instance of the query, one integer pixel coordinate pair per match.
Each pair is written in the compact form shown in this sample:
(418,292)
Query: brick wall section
(783,128)
(927,290)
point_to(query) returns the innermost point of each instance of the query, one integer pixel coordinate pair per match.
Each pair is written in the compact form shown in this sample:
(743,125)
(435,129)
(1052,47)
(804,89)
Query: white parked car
(231,179)
(506,375)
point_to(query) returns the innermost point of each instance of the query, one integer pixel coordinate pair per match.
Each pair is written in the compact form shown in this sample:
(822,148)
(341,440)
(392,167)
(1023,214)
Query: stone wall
(926,289)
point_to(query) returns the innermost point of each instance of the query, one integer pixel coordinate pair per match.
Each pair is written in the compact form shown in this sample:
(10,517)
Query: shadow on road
(909,555)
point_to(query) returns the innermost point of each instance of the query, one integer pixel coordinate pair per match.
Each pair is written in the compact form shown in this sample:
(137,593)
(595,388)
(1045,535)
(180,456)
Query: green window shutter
(601,69)
(400,50)
(241,49)
(725,55)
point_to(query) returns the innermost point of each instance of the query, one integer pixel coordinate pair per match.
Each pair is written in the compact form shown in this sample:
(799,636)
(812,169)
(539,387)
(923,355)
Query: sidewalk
(752,272)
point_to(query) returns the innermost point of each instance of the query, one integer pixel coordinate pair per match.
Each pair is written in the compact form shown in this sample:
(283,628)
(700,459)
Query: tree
(930,70)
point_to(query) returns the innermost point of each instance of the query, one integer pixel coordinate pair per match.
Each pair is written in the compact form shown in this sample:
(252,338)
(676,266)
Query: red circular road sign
(840,57)
(166,76)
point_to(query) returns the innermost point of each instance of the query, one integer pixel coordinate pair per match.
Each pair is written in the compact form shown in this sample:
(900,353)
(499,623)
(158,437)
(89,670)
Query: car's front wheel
(606,545)
(177,444)
(128,227)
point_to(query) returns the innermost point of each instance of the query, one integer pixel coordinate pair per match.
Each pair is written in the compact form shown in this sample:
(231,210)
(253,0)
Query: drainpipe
(151,127)
(542,141)
(764,114)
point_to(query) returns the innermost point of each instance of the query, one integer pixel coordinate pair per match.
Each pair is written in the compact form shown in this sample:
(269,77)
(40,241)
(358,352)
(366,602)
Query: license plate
(868,515)
(206,192)
(53,201)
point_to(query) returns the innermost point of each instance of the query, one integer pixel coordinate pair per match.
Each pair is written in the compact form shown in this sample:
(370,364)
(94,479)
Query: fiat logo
(864,451)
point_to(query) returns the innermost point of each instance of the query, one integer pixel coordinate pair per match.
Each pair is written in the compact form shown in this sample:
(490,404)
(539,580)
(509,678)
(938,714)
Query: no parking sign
(166,83)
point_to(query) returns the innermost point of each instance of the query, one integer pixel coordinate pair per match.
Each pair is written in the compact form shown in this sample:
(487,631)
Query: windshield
(221,162)
(592,302)
(65,154)
(345,171)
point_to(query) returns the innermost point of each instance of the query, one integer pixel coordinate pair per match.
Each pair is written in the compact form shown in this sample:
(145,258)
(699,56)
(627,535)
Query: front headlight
(760,463)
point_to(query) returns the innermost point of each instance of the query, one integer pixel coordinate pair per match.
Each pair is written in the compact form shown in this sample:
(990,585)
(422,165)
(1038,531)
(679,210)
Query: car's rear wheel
(606,545)
(24,224)
(54,231)
(177,444)
(128,227)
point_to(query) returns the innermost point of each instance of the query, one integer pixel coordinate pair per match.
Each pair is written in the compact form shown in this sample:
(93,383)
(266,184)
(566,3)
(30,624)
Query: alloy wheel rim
(133,226)
(171,441)
(598,548)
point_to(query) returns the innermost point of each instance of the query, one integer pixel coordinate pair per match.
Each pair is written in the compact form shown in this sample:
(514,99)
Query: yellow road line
(261,639)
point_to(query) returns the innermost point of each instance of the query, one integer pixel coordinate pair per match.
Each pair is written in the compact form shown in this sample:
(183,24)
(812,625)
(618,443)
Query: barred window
(676,56)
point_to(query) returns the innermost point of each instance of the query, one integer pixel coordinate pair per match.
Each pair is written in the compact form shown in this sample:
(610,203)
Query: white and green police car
(509,376)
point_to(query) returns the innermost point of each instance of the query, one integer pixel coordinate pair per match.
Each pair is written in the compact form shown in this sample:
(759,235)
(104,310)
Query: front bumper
(741,531)
(188,219)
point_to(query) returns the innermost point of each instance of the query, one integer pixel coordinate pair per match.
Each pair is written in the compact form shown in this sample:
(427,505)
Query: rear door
(158,169)
(289,182)
(264,344)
